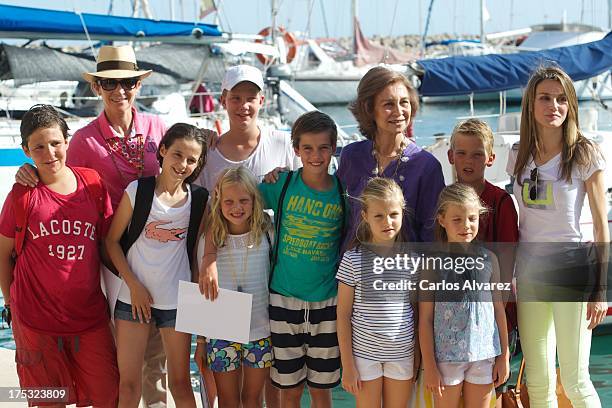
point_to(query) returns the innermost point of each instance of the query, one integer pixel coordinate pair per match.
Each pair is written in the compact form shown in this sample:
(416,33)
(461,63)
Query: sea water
(440,118)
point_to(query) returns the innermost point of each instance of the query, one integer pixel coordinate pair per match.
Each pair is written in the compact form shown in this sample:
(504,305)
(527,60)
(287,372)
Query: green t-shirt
(309,240)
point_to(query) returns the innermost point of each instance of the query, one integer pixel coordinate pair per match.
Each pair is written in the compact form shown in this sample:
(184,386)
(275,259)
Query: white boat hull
(326,91)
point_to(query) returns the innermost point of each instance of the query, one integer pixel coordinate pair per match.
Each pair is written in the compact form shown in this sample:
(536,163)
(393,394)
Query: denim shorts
(162,318)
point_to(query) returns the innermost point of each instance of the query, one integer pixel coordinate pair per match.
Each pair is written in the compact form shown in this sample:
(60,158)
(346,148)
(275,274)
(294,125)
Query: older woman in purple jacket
(385,105)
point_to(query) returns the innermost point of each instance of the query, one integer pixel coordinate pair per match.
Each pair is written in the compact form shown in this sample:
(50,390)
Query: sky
(332,18)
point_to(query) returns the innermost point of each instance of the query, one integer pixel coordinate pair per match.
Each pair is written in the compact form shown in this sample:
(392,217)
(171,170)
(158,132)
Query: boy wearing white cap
(246,144)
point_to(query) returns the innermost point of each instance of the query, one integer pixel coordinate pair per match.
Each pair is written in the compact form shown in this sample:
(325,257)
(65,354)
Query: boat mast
(482,22)
(354,6)
(273,23)
(424,38)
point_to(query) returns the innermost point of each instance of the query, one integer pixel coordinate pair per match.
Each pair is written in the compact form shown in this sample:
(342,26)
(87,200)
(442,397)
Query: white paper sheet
(227,318)
(111,287)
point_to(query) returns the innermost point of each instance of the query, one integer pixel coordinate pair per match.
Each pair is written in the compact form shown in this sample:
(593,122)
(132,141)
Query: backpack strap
(21,210)
(199,198)
(140,213)
(342,205)
(278,215)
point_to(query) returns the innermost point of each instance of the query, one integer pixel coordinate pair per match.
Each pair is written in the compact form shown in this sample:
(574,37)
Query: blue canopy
(500,72)
(26,22)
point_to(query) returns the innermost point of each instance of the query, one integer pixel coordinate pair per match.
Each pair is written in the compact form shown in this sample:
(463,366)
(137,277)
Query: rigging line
(93,50)
(221,14)
(393,20)
(304,36)
(309,20)
(324,18)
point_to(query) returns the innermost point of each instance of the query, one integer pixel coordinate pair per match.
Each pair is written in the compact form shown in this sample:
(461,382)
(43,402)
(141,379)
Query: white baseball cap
(240,73)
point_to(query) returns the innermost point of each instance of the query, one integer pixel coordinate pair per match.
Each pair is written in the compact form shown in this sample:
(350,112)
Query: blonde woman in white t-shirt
(554,166)
(241,234)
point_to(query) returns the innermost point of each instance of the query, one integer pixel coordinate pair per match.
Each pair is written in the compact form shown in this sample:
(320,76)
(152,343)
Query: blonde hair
(458,194)
(378,189)
(477,128)
(259,222)
(576,150)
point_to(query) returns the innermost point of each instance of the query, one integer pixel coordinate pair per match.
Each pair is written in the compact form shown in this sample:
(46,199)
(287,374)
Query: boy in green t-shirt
(310,214)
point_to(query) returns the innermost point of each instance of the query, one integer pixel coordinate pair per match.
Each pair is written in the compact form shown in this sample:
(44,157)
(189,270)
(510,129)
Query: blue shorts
(162,318)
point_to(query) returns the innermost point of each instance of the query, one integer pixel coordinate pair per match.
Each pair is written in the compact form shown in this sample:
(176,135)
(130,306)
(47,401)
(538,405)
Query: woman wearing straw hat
(121,145)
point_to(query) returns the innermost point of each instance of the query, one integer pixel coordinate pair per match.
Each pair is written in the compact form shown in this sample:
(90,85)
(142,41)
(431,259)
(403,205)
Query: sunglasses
(533,191)
(111,84)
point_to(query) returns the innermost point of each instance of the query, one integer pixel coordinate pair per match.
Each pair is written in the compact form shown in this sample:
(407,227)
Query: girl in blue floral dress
(240,230)
(462,330)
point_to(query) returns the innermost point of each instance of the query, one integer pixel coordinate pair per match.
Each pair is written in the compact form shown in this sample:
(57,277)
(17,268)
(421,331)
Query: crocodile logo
(153,231)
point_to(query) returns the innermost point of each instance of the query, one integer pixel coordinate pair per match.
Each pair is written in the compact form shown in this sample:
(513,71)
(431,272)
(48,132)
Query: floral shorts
(223,356)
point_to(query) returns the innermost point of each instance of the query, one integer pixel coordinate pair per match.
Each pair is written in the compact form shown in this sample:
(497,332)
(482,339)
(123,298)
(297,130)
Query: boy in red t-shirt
(52,287)
(471,152)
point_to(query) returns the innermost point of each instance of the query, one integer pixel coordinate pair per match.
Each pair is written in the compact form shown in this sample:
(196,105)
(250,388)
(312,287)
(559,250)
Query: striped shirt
(244,267)
(383,318)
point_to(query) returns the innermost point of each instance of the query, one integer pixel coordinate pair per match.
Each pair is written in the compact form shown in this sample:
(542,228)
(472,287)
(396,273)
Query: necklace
(238,279)
(399,154)
(121,146)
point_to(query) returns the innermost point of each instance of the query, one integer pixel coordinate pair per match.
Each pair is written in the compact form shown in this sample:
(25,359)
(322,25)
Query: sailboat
(324,80)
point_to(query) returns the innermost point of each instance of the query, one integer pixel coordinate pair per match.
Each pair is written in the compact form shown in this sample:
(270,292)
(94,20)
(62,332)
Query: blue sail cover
(501,72)
(34,20)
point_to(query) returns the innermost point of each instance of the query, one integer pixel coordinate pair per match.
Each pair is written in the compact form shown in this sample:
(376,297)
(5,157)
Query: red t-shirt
(501,223)
(56,279)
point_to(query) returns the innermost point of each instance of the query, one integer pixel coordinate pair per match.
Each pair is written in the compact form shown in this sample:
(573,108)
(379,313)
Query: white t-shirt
(554,215)
(158,258)
(273,150)
(382,320)
(245,268)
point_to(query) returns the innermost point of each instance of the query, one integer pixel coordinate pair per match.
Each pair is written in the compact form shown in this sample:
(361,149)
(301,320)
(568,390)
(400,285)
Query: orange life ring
(290,42)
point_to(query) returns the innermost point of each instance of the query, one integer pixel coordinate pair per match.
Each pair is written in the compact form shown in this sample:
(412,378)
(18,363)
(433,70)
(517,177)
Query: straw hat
(116,63)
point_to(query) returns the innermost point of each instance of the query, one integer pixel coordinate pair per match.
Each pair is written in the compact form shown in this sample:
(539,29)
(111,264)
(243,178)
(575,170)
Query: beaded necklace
(399,154)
